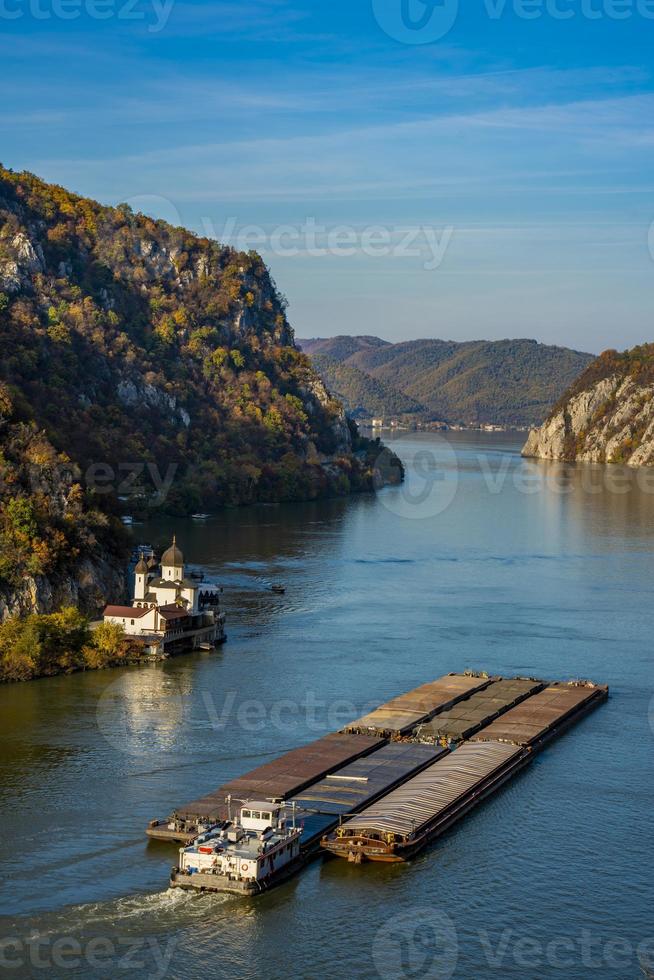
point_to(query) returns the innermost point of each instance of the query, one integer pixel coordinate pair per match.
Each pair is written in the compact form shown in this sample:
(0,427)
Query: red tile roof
(172,612)
(126,612)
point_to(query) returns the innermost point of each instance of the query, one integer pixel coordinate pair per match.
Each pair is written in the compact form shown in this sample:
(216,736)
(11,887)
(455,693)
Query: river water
(480,560)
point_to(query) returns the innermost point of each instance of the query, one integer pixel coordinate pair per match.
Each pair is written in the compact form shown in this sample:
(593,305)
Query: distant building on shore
(170,612)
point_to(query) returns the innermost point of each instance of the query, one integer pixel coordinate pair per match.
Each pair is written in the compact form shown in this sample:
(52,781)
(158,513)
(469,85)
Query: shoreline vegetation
(38,646)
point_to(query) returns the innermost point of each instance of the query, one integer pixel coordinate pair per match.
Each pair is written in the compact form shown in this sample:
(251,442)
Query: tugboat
(245,857)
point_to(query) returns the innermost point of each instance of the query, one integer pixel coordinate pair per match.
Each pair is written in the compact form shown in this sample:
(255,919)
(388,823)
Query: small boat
(126,519)
(245,857)
(200,517)
(142,551)
(278,588)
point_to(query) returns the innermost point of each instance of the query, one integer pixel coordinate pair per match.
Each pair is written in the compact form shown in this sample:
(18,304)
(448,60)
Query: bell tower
(141,579)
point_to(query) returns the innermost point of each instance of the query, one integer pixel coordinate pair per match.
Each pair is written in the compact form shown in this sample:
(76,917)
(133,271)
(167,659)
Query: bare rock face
(611,421)
(93,583)
(25,259)
(317,394)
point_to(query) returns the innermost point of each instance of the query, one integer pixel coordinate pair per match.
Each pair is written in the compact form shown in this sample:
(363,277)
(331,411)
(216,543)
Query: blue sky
(486,174)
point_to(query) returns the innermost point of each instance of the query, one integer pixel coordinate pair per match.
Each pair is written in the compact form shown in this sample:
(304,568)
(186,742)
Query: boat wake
(157,911)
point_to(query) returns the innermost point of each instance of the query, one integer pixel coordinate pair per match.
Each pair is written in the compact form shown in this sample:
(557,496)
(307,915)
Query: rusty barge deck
(279,779)
(399,777)
(410,817)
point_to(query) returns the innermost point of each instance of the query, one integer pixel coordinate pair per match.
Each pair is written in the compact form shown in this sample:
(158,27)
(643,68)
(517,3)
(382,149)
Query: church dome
(173,556)
(142,567)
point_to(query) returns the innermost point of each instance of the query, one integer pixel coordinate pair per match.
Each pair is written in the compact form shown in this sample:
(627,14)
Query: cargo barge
(275,781)
(545,715)
(324,804)
(287,776)
(403,714)
(475,712)
(246,858)
(407,819)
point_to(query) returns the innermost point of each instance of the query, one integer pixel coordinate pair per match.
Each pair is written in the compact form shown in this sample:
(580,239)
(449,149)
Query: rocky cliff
(607,416)
(142,367)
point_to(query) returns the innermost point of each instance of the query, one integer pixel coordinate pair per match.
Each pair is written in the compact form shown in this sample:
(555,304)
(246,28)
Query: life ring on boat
(244,867)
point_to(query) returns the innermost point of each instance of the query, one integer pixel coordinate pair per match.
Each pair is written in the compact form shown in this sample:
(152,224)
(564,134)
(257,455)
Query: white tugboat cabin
(258,850)
(170,611)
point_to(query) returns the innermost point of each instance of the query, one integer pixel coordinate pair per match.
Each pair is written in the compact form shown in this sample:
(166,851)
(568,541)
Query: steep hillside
(509,382)
(362,395)
(163,366)
(56,548)
(606,416)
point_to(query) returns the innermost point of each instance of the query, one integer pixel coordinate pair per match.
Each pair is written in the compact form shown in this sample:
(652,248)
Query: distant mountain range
(505,382)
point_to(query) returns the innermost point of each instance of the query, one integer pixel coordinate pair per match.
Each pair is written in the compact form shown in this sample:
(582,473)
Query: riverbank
(62,643)
(539,583)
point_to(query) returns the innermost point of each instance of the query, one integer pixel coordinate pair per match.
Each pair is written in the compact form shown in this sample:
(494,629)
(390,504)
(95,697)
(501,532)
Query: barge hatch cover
(480,709)
(423,799)
(278,779)
(542,715)
(402,714)
(320,806)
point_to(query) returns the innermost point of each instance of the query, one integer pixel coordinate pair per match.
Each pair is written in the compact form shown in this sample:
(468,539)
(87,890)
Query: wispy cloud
(538,154)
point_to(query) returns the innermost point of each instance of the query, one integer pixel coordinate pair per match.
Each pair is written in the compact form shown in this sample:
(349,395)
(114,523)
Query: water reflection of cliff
(597,502)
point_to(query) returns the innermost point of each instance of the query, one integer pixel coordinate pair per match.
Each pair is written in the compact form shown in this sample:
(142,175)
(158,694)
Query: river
(481,560)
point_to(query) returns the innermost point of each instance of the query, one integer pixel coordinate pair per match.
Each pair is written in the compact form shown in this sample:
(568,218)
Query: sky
(407,168)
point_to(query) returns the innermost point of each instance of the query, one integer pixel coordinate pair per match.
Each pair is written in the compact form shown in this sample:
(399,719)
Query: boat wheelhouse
(258,850)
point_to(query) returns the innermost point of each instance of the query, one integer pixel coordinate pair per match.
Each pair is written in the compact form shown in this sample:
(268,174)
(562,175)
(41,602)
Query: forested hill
(153,360)
(508,382)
